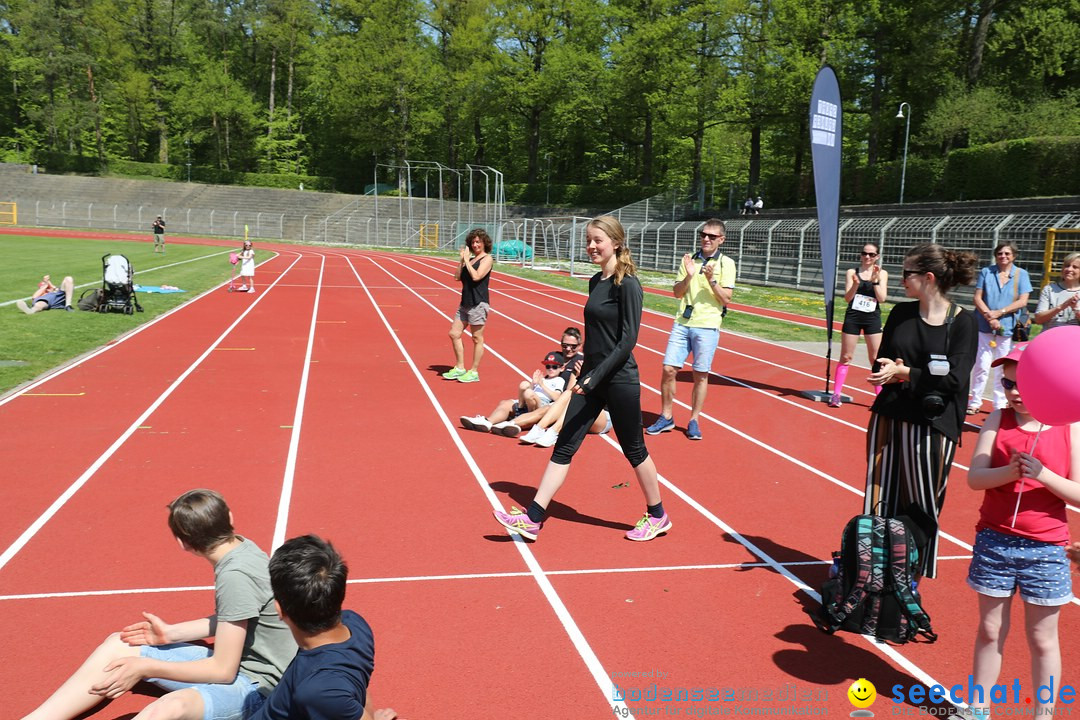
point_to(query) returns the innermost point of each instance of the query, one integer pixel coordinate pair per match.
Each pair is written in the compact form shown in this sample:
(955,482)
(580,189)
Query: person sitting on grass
(228,680)
(49,297)
(329,676)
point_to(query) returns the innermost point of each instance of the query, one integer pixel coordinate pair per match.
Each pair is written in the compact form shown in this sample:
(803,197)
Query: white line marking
(285,500)
(592,663)
(444,578)
(137,272)
(31,531)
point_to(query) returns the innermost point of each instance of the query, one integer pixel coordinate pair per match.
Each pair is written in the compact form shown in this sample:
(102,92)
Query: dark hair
(308,578)
(482,234)
(715,222)
(573,331)
(877,248)
(950,267)
(200,519)
(1004,244)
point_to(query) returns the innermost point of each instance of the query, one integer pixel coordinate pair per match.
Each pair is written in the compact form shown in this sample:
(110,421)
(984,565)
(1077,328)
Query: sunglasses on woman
(569,346)
(1008,384)
(867,254)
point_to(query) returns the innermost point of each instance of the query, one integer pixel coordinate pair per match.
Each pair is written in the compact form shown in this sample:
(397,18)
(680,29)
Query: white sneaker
(548,438)
(242,288)
(507,428)
(534,434)
(477,422)
(251,289)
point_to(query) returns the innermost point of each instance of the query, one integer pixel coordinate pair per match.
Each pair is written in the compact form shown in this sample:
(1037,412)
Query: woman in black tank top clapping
(474,272)
(864,291)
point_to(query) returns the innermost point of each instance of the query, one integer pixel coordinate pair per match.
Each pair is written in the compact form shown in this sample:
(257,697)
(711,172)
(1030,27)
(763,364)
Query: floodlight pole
(907,130)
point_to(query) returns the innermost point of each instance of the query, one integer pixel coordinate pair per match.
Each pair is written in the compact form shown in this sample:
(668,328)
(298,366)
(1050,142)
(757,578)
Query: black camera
(933,406)
(688,311)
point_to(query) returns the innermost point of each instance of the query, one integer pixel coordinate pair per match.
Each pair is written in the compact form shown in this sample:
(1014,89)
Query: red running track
(315,405)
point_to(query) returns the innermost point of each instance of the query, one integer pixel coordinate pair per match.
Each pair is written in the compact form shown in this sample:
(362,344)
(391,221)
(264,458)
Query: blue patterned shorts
(1002,563)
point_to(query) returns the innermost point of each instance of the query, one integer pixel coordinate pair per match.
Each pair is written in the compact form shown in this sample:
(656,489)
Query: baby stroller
(118,290)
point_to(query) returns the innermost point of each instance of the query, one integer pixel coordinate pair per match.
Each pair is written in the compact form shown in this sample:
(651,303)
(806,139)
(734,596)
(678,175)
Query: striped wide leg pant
(906,464)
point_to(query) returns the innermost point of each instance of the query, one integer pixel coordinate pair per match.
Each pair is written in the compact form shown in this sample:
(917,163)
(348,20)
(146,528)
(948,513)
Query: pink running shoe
(519,522)
(649,527)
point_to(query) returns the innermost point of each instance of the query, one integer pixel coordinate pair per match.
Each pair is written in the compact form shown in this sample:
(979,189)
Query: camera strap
(950,315)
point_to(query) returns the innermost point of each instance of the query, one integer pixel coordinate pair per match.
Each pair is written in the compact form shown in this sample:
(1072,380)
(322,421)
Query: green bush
(1030,167)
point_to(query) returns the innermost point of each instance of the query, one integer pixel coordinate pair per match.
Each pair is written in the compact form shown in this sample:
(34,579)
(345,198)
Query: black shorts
(865,322)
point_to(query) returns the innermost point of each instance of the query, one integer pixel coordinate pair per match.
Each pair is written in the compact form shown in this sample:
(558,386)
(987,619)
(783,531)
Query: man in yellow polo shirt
(704,285)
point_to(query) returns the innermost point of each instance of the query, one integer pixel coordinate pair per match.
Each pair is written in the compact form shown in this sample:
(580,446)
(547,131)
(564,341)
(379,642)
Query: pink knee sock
(841,376)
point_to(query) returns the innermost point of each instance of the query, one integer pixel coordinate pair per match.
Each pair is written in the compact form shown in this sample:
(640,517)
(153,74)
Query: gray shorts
(475,315)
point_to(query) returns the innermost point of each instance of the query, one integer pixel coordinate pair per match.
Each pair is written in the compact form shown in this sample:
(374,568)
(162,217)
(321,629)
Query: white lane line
(445,578)
(592,662)
(282,522)
(57,504)
(137,272)
(113,343)
(792,403)
(603,680)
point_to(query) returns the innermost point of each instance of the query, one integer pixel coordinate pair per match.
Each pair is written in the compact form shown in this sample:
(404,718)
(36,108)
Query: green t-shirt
(242,592)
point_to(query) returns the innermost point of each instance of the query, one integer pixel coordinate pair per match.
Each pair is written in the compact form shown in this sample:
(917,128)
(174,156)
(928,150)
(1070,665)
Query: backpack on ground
(872,591)
(90,300)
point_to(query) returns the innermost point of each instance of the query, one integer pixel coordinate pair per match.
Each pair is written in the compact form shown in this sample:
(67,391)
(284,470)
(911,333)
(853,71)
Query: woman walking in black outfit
(608,378)
(927,351)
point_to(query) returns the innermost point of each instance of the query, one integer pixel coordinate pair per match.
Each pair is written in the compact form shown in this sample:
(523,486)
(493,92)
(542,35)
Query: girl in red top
(1022,535)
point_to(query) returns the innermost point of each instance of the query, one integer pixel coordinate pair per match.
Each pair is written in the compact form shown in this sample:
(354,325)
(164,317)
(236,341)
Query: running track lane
(855,458)
(798,644)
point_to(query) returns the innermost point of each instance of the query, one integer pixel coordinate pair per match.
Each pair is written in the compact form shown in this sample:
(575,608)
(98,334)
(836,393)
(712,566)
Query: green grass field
(34,344)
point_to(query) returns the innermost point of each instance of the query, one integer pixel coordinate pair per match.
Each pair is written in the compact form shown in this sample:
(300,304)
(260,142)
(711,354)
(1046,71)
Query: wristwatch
(712,282)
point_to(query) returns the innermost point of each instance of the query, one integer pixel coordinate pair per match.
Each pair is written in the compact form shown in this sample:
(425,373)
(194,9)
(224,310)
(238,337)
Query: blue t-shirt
(326,683)
(996,296)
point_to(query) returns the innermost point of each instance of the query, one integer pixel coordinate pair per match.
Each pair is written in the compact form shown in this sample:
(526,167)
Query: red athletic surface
(464,628)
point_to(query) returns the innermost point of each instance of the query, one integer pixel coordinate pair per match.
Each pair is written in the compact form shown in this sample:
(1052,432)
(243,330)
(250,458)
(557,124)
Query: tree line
(698,94)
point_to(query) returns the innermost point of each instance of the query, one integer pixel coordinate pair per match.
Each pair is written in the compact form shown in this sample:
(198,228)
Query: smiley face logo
(862,693)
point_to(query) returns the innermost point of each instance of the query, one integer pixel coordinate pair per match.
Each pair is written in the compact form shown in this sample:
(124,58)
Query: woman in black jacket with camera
(924,365)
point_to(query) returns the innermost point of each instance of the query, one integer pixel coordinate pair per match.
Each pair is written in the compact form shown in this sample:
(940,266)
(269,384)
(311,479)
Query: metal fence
(98,216)
(786,251)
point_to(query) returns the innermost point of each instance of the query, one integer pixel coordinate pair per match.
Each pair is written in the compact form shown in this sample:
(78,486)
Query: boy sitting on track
(328,679)
(252,646)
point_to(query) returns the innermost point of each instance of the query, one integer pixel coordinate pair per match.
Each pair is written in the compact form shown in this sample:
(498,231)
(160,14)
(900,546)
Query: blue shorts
(1002,563)
(236,701)
(685,340)
(56,300)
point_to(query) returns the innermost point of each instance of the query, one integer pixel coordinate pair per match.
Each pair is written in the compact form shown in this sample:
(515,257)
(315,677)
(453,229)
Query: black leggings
(623,403)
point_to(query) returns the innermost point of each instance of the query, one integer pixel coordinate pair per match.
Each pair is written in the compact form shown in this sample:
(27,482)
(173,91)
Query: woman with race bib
(864,292)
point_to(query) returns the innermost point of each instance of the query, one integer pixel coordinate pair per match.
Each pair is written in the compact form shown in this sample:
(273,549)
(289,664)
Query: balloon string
(1021,492)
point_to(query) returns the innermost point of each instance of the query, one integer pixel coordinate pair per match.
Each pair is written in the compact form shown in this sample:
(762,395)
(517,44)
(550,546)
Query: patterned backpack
(872,592)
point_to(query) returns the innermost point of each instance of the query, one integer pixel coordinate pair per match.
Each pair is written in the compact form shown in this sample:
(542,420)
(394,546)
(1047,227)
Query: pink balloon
(1047,378)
